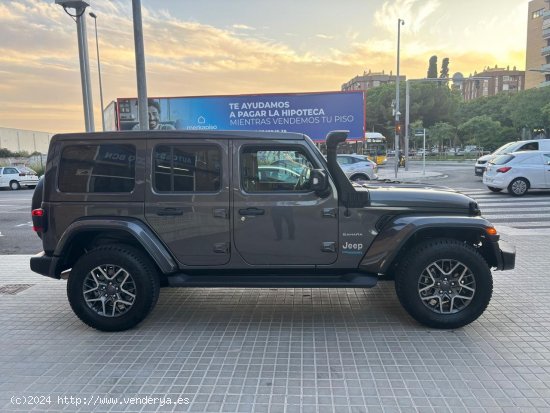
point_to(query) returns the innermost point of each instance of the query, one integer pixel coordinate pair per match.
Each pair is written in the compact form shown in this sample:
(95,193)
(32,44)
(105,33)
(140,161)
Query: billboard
(314,114)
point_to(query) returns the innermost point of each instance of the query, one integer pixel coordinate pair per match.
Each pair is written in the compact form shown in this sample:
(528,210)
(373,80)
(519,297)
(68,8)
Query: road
(16,235)
(529,212)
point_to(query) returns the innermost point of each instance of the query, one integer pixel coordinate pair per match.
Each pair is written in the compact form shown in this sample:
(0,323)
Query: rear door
(533,169)
(187,201)
(277,219)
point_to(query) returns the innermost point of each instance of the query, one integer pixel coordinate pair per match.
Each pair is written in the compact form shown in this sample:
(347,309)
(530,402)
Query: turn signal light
(504,169)
(491,231)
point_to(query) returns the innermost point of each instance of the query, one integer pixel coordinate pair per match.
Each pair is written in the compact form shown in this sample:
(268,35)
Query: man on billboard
(153,108)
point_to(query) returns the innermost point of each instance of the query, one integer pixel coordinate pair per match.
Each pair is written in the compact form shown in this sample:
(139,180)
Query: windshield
(503,148)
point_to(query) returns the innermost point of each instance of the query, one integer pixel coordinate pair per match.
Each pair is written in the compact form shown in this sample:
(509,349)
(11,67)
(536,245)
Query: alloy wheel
(446,286)
(109,290)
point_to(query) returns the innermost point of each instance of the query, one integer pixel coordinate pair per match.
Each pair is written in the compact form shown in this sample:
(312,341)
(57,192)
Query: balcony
(546,33)
(545,68)
(544,84)
(546,15)
(545,51)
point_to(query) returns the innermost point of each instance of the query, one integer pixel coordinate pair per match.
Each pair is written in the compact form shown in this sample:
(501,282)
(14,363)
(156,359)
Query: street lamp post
(94,16)
(80,18)
(400,22)
(143,114)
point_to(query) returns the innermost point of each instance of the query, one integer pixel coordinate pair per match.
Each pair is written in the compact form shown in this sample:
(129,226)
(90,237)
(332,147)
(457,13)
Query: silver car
(357,167)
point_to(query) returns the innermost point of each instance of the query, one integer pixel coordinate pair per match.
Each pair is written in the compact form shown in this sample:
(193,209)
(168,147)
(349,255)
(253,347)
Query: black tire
(430,311)
(359,177)
(518,187)
(14,185)
(144,283)
(493,189)
(38,195)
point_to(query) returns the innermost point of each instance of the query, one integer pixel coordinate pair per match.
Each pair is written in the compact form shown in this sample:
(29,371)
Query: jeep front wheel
(444,283)
(113,288)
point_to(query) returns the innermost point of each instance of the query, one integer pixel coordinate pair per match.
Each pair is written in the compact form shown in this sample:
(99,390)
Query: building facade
(369,80)
(493,81)
(537,56)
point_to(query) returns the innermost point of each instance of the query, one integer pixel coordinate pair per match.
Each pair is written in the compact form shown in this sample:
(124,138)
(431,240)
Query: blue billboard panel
(314,114)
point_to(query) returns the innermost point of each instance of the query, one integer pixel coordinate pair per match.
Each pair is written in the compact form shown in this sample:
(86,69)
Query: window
(97,168)
(531,146)
(187,168)
(538,13)
(344,160)
(10,171)
(275,169)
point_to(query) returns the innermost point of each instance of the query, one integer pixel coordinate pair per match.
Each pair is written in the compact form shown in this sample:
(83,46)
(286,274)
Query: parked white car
(516,146)
(15,177)
(357,167)
(518,172)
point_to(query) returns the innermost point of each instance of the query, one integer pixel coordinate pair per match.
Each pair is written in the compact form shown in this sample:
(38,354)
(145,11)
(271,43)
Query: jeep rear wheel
(444,283)
(113,288)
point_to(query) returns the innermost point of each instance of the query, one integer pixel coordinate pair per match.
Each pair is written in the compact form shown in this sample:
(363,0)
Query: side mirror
(319,181)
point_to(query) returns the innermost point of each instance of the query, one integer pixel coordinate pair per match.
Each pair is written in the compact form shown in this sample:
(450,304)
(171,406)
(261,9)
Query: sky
(219,47)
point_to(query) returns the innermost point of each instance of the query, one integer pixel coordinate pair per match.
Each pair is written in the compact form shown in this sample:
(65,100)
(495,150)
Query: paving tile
(287,350)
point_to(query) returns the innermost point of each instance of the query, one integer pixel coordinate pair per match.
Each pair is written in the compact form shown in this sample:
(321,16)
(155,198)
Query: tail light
(504,169)
(38,220)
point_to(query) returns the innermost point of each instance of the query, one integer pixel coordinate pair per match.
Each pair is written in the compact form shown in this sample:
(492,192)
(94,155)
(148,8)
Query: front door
(546,159)
(187,203)
(277,219)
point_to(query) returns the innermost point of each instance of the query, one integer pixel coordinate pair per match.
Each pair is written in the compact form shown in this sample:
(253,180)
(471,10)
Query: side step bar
(351,280)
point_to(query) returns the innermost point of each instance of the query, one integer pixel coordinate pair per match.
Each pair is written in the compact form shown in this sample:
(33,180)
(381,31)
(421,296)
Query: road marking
(27,224)
(2,235)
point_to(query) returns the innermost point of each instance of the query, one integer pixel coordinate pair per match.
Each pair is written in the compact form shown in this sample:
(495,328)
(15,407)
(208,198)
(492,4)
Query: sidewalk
(388,172)
(279,350)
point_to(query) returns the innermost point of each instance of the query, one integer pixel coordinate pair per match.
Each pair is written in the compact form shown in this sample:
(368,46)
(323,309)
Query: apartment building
(492,81)
(369,80)
(537,56)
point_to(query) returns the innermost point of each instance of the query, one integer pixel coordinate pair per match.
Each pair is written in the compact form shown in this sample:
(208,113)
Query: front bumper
(505,254)
(45,265)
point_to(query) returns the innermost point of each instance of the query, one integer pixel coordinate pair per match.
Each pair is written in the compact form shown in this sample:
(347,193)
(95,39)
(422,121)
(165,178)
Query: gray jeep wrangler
(121,214)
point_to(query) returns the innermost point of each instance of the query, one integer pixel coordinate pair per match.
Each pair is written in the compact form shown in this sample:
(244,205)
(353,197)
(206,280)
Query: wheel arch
(359,174)
(86,234)
(399,237)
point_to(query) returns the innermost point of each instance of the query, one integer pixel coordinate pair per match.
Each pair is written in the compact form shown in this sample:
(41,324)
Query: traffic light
(398,127)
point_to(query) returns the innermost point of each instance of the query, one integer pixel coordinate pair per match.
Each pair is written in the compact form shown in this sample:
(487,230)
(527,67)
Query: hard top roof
(179,134)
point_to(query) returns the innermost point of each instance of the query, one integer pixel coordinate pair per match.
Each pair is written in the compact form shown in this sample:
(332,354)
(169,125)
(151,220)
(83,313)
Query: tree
(432,69)
(443,133)
(444,74)
(481,131)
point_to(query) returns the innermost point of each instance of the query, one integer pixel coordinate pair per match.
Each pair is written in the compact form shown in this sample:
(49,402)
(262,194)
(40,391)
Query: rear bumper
(505,254)
(45,265)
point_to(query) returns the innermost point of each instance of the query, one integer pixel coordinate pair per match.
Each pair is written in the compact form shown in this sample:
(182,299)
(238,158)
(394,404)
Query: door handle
(169,211)
(251,211)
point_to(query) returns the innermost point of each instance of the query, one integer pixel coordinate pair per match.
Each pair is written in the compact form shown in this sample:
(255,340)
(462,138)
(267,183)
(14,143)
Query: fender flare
(134,227)
(395,234)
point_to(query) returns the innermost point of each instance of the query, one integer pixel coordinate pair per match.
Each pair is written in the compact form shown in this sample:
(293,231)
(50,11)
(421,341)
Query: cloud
(415,13)
(40,72)
(242,27)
